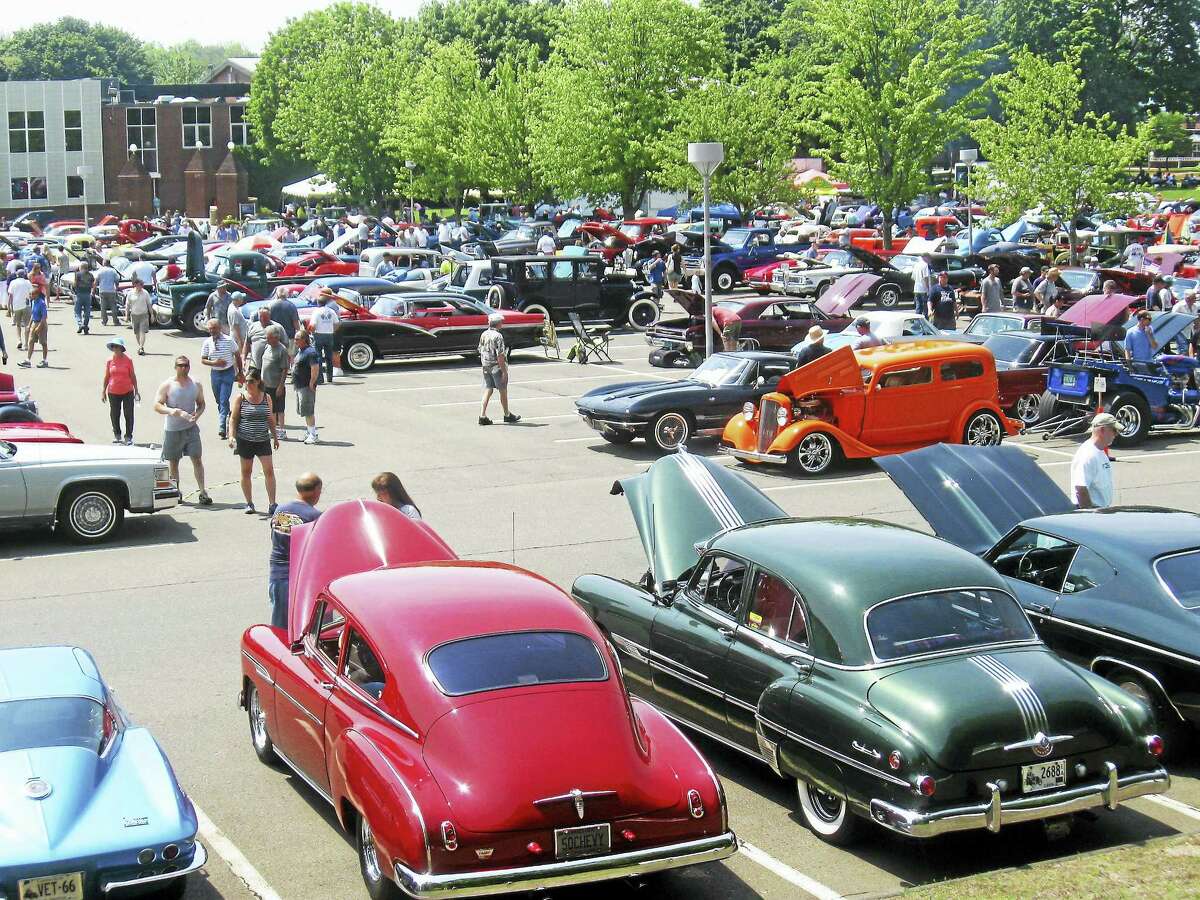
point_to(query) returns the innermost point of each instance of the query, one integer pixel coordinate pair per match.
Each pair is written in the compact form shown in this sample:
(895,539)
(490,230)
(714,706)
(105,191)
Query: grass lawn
(1175,193)
(1165,869)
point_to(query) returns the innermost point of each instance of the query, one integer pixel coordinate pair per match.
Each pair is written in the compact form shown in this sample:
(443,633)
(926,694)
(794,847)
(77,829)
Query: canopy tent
(316,187)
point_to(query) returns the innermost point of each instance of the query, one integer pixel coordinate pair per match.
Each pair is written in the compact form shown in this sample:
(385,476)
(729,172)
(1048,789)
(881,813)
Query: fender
(258,669)
(1104,664)
(1011,426)
(692,771)
(790,436)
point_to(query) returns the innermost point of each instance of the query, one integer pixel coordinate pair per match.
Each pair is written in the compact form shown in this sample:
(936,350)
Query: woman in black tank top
(252,435)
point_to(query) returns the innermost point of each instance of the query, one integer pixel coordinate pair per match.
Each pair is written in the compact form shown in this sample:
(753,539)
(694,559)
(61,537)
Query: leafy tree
(1168,134)
(72,48)
(1047,151)
(497,29)
(748,28)
(190,61)
(893,79)
(751,117)
(618,70)
(503,120)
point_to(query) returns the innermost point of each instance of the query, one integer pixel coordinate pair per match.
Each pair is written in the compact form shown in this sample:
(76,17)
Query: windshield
(51,722)
(630,230)
(984,325)
(736,237)
(518,234)
(1011,349)
(945,620)
(216,263)
(520,659)
(721,369)
(568,227)
(1180,575)
(903,261)
(1077,279)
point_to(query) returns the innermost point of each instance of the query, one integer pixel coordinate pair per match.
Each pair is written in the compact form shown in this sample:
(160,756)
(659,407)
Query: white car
(406,258)
(473,278)
(889,324)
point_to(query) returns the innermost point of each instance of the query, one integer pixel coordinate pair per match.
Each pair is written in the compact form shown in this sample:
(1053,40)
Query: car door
(690,641)
(303,685)
(1035,565)
(1083,601)
(463,327)
(13,491)
(900,406)
(771,643)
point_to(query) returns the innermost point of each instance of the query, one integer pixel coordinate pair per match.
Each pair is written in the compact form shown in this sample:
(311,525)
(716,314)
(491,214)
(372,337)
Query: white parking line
(475,402)
(590,437)
(1041,449)
(1172,804)
(475,384)
(238,864)
(787,873)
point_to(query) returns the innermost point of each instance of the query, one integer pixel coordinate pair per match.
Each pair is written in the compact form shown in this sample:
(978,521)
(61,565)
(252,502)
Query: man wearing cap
(1166,296)
(1091,467)
(1140,345)
(1022,290)
(865,337)
(814,349)
(493,355)
(1187,306)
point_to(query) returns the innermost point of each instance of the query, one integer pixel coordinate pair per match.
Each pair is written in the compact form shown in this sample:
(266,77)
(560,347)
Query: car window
(362,667)
(718,583)
(907,377)
(1011,348)
(916,327)
(536,271)
(1035,558)
(51,722)
(961,369)
(1180,575)
(327,632)
(775,610)
(518,659)
(945,620)
(590,271)
(1088,570)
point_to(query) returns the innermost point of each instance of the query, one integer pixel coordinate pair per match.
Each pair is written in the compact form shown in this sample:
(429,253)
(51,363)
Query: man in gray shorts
(181,400)
(493,354)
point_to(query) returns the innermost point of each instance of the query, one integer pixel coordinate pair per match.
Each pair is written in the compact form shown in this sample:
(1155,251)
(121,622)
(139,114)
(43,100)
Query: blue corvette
(89,805)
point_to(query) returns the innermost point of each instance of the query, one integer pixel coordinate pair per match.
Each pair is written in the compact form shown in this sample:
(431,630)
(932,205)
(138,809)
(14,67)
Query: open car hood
(866,257)
(692,303)
(973,496)
(1098,311)
(1168,326)
(350,537)
(684,500)
(841,296)
(835,371)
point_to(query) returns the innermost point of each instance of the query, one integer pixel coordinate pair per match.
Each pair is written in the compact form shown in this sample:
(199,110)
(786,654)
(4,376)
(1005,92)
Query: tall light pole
(968,158)
(706,157)
(83,172)
(412,201)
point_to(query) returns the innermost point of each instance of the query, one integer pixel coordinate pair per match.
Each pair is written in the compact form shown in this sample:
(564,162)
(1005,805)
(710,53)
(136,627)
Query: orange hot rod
(873,402)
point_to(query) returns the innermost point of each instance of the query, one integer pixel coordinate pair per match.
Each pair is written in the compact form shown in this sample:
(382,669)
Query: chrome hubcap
(360,356)
(672,431)
(827,806)
(814,453)
(984,431)
(370,856)
(258,721)
(92,514)
(1130,419)
(888,298)
(1028,408)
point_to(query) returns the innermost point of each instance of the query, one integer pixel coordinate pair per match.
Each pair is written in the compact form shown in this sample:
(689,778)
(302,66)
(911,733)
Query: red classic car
(37,432)
(133,231)
(467,721)
(610,240)
(318,262)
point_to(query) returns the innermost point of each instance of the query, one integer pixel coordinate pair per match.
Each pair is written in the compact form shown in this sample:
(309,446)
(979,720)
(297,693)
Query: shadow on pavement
(138,531)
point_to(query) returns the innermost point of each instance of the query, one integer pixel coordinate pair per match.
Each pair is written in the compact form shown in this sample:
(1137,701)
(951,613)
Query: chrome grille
(768,423)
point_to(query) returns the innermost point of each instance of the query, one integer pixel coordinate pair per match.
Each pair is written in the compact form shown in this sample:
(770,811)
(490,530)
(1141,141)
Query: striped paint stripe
(1028,692)
(1033,713)
(704,483)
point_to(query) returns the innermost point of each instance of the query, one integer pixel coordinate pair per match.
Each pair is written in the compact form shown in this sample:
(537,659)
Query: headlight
(748,411)
(781,416)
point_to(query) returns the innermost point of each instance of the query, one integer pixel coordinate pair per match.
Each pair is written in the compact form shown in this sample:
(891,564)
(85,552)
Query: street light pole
(706,157)
(83,172)
(968,158)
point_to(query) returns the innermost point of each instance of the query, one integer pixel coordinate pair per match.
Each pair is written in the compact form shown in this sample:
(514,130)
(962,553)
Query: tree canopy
(72,48)
(189,62)
(496,29)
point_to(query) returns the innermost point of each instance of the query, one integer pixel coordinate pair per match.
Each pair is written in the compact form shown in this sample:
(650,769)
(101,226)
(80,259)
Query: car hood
(835,371)
(1098,311)
(841,296)
(692,303)
(1000,698)
(972,496)
(1168,326)
(61,452)
(543,743)
(682,502)
(619,397)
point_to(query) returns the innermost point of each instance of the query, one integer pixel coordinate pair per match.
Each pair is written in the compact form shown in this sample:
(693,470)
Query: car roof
(1133,532)
(28,673)
(758,355)
(589,257)
(842,567)
(351,281)
(918,351)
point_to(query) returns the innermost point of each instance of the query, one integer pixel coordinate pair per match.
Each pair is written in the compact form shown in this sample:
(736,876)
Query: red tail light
(628,835)
(449,836)
(926,785)
(534,847)
(695,804)
(1155,745)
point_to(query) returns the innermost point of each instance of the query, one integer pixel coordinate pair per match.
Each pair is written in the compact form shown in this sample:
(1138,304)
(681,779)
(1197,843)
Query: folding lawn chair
(549,339)
(589,343)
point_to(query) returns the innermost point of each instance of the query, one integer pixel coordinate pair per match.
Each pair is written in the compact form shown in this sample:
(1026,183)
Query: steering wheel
(1026,570)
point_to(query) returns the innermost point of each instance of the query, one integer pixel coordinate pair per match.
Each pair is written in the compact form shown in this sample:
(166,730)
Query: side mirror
(297,647)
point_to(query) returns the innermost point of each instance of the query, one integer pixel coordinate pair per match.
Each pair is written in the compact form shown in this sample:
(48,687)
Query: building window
(239,128)
(141,130)
(197,126)
(29,188)
(74,187)
(27,132)
(73,129)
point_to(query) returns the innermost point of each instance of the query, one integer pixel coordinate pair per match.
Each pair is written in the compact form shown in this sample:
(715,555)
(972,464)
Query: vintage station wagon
(872,402)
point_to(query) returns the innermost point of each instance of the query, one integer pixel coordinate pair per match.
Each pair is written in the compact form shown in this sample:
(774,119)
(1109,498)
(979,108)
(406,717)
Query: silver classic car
(83,490)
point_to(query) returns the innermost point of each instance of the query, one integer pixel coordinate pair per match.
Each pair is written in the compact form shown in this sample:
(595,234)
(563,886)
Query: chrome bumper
(996,813)
(753,456)
(611,424)
(568,872)
(198,860)
(166,499)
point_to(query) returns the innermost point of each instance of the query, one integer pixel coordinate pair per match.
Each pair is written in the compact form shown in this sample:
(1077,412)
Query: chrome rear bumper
(568,872)
(996,813)
(753,456)
(199,858)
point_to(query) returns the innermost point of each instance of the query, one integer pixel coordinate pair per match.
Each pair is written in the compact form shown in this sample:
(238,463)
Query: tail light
(926,785)
(449,836)
(695,804)
(895,760)
(628,835)
(1154,744)
(534,847)
(748,411)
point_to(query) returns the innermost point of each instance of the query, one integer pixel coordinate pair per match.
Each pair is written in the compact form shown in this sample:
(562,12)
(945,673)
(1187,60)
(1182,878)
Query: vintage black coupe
(560,285)
(1115,590)
(669,413)
(911,691)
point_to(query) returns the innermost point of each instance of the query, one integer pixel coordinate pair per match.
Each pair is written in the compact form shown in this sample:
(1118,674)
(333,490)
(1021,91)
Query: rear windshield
(1181,575)
(945,620)
(1010,349)
(518,659)
(51,722)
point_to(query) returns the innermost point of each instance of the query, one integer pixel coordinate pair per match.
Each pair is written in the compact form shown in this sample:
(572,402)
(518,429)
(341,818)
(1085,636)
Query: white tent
(311,188)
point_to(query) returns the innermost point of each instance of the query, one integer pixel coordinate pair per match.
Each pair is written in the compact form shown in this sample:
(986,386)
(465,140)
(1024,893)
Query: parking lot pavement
(163,606)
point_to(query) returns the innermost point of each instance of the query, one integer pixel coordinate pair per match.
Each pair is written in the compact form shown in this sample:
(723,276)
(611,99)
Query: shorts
(250,449)
(278,395)
(140,323)
(22,317)
(306,402)
(495,377)
(178,444)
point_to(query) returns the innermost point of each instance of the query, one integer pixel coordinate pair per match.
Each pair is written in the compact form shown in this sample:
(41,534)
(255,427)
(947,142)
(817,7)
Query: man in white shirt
(145,271)
(865,337)
(385,266)
(325,321)
(364,234)
(462,232)
(1091,467)
(444,234)
(422,237)
(1188,307)
(137,311)
(546,245)
(19,290)
(922,282)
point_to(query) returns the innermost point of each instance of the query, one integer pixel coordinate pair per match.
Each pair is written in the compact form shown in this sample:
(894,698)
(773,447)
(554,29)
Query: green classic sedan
(890,673)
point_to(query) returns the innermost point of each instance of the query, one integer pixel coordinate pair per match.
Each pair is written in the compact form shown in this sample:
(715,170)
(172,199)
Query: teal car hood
(683,501)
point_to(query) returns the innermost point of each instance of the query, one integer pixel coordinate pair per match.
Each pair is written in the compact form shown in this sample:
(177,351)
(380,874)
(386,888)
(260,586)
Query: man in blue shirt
(1139,341)
(286,516)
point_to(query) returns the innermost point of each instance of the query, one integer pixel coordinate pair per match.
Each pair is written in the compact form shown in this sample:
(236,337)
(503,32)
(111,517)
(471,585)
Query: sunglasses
(186,365)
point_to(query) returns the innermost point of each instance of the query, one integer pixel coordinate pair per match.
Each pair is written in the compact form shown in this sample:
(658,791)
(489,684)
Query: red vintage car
(318,262)
(609,240)
(37,432)
(467,721)
(134,231)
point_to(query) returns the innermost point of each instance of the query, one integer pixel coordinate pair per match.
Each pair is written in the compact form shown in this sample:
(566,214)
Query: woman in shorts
(252,436)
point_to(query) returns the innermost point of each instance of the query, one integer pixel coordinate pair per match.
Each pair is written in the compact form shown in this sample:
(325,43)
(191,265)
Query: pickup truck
(181,303)
(740,249)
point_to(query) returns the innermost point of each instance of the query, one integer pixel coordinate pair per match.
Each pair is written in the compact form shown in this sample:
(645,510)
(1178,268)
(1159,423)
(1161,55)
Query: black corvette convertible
(669,413)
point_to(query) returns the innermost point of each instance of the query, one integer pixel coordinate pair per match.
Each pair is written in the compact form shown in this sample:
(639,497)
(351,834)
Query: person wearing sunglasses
(181,400)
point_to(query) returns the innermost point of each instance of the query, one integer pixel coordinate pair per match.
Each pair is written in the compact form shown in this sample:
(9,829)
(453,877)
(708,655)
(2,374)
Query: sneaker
(249,510)
(128,442)
(271,509)
(117,440)
(281,434)
(511,419)
(43,365)
(338,373)
(204,499)
(141,352)
(484,420)
(222,435)
(310,439)
(24,365)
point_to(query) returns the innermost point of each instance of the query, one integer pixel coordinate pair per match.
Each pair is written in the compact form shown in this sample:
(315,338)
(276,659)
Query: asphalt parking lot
(162,608)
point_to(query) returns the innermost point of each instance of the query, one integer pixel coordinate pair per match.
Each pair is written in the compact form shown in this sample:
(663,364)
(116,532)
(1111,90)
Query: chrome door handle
(726,633)
(327,685)
(1038,608)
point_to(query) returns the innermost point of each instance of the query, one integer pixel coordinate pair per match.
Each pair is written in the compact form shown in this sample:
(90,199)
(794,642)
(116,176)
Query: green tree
(72,48)
(748,27)
(497,29)
(1047,151)
(750,115)
(1169,135)
(502,123)
(894,86)
(618,70)
(189,62)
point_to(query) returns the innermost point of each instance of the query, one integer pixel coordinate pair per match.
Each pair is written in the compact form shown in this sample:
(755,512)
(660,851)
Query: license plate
(1043,776)
(587,840)
(1068,380)
(51,886)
